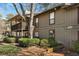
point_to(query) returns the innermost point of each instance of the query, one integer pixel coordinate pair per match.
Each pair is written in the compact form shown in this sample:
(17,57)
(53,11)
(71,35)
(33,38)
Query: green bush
(58,47)
(24,42)
(34,41)
(75,46)
(9,39)
(52,42)
(5,37)
(44,43)
(9,50)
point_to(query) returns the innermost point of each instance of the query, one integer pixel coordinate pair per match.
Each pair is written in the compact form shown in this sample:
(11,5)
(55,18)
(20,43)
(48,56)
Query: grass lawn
(9,50)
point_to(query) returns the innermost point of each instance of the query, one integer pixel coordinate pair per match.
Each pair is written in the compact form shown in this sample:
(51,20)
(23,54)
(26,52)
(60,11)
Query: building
(2,26)
(60,22)
(7,28)
(18,26)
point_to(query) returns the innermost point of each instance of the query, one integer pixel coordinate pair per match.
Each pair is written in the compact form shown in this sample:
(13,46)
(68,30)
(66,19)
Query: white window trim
(36,34)
(52,15)
(37,20)
(51,32)
(52,18)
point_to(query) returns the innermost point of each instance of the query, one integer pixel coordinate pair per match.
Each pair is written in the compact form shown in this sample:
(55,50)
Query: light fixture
(69,27)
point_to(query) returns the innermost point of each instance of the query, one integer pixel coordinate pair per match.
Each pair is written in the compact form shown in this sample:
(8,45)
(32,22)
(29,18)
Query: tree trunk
(31,20)
(22,28)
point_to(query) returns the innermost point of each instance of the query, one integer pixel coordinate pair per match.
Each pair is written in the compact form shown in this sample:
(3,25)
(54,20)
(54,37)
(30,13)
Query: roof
(50,9)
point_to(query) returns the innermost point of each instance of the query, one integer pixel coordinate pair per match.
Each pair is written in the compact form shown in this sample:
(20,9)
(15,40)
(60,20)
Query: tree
(1,16)
(32,11)
(31,19)
(45,5)
(10,15)
(24,16)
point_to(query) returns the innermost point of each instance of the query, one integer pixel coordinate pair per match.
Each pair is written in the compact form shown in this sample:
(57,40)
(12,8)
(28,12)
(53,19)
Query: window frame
(36,20)
(52,33)
(51,18)
(36,35)
(37,23)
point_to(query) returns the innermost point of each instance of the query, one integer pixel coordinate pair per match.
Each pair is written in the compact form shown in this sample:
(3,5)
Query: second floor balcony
(19,26)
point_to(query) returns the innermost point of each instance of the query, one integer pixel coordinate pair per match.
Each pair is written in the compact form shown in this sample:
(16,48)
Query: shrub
(34,41)
(9,39)
(58,47)
(9,50)
(24,42)
(75,46)
(52,42)
(44,43)
(5,37)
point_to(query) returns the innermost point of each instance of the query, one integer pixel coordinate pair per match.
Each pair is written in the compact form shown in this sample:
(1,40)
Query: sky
(6,8)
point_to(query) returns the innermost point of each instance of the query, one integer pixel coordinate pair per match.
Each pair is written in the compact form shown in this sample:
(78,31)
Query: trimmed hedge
(7,39)
(44,43)
(24,42)
(34,41)
(9,50)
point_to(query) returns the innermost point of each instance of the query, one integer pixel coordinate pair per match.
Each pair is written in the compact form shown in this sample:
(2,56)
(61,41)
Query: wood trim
(37,24)
(78,16)
(54,18)
(78,34)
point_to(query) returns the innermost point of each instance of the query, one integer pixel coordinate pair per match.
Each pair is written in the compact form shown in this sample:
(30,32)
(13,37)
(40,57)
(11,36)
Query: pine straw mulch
(37,51)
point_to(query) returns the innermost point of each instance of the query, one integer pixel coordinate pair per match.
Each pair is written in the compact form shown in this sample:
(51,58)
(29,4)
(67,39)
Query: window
(36,34)
(52,18)
(36,22)
(52,33)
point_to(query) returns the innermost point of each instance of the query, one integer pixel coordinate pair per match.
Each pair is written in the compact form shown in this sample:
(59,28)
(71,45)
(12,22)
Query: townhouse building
(18,26)
(60,22)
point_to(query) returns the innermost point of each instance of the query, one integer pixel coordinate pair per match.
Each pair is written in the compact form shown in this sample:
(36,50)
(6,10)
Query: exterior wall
(63,19)
(44,26)
(18,27)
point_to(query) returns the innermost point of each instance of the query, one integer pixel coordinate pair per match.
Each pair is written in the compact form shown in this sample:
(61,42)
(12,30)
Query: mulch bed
(37,51)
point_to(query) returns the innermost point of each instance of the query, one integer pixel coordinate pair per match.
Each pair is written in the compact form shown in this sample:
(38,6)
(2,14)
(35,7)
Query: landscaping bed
(37,51)
(31,47)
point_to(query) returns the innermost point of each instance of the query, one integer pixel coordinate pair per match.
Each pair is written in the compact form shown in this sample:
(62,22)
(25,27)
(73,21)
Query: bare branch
(22,9)
(16,8)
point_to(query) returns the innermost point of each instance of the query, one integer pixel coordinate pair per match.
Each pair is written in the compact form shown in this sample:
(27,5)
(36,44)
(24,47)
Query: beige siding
(63,18)
(43,20)
(44,33)
(66,18)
